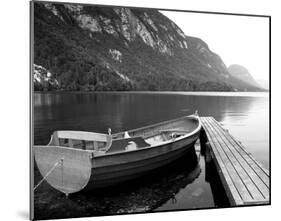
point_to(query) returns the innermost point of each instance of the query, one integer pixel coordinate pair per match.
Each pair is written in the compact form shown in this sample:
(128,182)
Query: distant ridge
(263,83)
(241,73)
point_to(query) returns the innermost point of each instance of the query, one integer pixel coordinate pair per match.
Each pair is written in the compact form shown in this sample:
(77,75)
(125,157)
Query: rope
(47,174)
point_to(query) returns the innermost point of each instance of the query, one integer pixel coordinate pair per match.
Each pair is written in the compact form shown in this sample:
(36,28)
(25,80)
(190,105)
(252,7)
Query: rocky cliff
(114,48)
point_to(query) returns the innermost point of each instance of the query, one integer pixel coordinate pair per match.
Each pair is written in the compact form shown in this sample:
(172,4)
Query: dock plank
(253,183)
(247,156)
(245,180)
(259,170)
(227,180)
(256,172)
(221,155)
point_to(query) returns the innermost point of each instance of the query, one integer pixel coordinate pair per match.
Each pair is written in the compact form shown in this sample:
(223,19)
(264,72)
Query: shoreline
(193,93)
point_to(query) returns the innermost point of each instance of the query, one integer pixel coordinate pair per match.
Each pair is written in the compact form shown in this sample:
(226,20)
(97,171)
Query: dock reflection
(212,177)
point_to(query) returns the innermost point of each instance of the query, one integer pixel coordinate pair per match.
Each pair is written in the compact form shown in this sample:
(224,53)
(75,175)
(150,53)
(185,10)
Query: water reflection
(251,128)
(97,112)
(206,191)
(141,195)
(180,187)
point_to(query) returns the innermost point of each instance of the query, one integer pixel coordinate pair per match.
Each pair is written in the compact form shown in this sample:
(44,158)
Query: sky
(239,40)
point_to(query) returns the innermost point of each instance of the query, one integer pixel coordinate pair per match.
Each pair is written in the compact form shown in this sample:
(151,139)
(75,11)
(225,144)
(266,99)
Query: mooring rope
(47,174)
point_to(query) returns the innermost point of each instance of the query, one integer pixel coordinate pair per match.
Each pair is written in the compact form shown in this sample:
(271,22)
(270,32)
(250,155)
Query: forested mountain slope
(96,48)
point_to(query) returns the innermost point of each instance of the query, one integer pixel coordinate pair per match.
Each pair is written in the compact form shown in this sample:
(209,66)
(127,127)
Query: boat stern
(66,169)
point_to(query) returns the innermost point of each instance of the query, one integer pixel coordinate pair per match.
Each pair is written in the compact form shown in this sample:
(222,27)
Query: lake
(186,184)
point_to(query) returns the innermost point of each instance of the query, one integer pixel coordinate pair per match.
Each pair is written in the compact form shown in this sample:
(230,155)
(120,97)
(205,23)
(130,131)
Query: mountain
(263,83)
(241,73)
(93,48)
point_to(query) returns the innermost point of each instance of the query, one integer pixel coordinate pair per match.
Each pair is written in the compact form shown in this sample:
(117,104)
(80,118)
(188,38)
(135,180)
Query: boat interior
(125,141)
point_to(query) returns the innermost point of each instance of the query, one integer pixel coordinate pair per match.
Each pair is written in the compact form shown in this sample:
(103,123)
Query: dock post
(203,141)
(208,156)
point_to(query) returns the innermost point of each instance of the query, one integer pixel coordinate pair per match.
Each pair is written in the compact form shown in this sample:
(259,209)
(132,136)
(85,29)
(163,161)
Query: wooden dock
(246,181)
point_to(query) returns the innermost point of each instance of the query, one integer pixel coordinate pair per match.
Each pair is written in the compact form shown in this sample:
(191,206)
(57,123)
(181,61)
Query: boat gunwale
(157,145)
(156,124)
(95,155)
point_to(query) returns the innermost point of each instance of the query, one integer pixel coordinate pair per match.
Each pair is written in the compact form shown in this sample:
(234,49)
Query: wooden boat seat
(121,144)
(175,131)
(82,140)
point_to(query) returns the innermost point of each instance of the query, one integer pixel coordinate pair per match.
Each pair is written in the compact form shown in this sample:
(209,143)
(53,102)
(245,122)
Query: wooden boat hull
(104,176)
(71,170)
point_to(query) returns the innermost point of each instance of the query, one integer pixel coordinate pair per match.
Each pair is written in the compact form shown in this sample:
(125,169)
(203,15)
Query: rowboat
(79,160)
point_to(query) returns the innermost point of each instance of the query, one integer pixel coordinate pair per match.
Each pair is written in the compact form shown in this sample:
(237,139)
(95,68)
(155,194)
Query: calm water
(186,184)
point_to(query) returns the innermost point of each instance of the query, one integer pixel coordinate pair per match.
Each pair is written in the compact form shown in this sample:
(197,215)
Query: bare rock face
(43,79)
(115,48)
(116,55)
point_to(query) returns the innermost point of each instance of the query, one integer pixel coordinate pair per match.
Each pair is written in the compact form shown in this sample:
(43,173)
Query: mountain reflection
(123,111)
